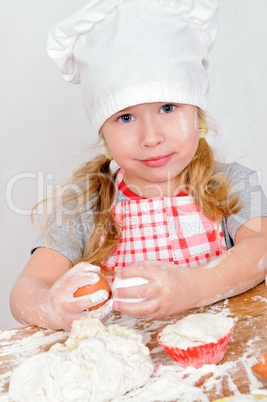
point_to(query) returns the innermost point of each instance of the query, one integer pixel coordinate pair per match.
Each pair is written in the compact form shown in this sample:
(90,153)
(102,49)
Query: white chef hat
(128,52)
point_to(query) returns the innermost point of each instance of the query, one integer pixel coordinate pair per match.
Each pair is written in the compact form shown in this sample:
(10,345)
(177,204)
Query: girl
(195,229)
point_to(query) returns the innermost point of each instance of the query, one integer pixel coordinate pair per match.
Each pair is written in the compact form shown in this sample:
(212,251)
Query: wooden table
(247,344)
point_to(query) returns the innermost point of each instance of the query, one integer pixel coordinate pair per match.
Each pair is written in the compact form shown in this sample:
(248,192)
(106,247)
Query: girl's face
(153,143)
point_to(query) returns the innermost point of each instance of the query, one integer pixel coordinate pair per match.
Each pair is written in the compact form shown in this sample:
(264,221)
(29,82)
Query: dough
(126,283)
(96,363)
(196,329)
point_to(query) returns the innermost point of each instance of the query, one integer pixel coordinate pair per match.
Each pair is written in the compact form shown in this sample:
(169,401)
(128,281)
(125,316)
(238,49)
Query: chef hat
(128,52)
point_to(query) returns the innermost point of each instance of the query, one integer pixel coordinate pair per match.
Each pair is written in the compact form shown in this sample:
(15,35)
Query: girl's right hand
(61,305)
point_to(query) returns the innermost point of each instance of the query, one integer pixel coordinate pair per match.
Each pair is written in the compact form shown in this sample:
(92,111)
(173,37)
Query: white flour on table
(24,348)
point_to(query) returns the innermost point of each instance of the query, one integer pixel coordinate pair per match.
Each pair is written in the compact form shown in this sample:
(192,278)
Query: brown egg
(261,368)
(89,289)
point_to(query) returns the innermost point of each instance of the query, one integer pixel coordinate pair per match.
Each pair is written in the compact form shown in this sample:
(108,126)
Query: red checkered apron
(167,229)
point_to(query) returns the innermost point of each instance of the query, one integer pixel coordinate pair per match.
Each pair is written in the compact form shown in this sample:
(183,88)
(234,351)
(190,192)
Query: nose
(151,135)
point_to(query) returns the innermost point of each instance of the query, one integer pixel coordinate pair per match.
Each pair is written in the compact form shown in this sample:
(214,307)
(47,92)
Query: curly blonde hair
(211,190)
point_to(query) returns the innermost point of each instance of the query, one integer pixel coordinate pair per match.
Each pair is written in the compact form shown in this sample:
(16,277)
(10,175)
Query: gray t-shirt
(69,235)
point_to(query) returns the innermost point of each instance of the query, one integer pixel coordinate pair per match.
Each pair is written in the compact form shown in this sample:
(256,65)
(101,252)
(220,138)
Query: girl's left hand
(168,291)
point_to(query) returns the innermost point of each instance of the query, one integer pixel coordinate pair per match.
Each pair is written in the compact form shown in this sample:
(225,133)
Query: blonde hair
(95,181)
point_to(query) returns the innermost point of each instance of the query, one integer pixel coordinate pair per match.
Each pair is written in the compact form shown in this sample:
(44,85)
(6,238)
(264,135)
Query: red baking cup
(197,356)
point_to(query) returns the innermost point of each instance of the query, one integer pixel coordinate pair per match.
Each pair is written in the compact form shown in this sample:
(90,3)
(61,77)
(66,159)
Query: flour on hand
(96,363)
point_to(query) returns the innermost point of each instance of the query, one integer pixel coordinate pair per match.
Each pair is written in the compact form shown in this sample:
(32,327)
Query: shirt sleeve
(252,198)
(66,234)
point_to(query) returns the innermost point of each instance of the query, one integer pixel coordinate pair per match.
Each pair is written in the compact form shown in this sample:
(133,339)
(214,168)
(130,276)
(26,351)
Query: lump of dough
(196,329)
(96,363)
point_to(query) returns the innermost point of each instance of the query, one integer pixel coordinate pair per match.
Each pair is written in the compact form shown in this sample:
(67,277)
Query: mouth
(157,161)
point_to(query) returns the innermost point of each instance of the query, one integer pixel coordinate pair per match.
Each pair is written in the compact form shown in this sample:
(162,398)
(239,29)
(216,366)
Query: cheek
(188,127)
(188,136)
(193,140)
(196,120)
(187,143)
(189,152)
(116,143)
(194,144)
(121,149)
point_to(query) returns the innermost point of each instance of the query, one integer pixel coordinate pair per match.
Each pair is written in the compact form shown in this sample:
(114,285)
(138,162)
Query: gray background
(44,132)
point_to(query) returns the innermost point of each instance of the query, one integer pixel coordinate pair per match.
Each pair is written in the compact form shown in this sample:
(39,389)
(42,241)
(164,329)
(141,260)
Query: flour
(168,384)
(196,329)
(96,363)
(260,298)
(32,343)
(23,348)
(5,336)
(173,383)
(215,261)
(248,361)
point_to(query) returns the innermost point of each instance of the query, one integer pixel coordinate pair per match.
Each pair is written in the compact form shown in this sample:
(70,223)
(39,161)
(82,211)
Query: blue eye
(126,118)
(168,108)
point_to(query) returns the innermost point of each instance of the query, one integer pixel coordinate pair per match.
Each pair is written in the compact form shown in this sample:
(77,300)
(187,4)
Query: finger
(145,308)
(103,311)
(85,267)
(137,269)
(75,304)
(70,284)
(91,278)
(137,292)
(94,299)
(81,268)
